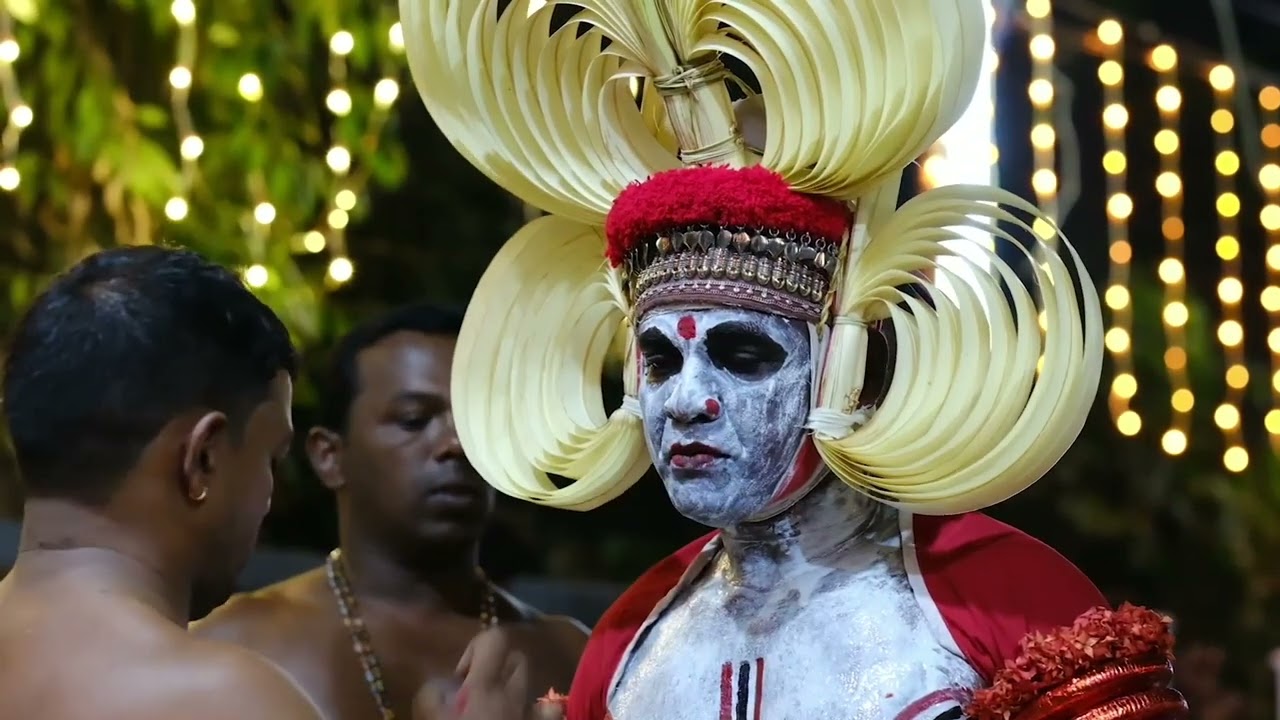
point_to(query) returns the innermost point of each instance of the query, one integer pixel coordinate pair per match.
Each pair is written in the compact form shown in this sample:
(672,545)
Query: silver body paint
(819,593)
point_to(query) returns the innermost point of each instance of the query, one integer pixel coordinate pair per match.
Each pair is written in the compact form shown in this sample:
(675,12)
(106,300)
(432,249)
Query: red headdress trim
(722,197)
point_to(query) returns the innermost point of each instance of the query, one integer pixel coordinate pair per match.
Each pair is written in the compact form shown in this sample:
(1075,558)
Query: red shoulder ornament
(1107,665)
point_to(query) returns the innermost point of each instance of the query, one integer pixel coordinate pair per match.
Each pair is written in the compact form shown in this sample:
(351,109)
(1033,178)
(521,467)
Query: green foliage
(101,159)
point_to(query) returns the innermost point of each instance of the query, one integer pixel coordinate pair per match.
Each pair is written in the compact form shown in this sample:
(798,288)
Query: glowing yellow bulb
(1230,333)
(1042,47)
(1273,340)
(338,101)
(21,116)
(180,77)
(1168,98)
(1168,184)
(1110,32)
(386,92)
(1124,385)
(1120,206)
(1182,400)
(1235,459)
(250,87)
(1114,162)
(1230,290)
(264,213)
(341,269)
(338,218)
(1222,78)
(1171,270)
(1166,142)
(1271,135)
(1175,314)
(1237,376)
(1043,136)
(1272,421)
(342,43)
(9,50)
(1222,121)
(345,200)
(339,159)
(255,276)
(1228,204)
(1174,442)
(1115,116)
(1163,58)
(1044,181)
(1269,98)
(1117,297)
(1044,229)
(1227,162)
(1040,91)
(191,148)
(1117,340)
(1175,358)
(1269,176)
(1275,381)
(314,242)
(1110,72)
(1120,252)
(1273,257)
(1227,247)
(176,209)
(1270,216)
(183,11)
(1226,416)
(10,178)
(1038,8)
(395,37)
(1129,423)
(1270,298)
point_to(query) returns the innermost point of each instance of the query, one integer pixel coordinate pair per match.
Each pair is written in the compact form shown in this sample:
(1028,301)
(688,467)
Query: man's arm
(211,681)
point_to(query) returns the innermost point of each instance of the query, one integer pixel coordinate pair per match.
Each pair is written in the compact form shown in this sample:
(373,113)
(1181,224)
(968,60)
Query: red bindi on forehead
(687,328)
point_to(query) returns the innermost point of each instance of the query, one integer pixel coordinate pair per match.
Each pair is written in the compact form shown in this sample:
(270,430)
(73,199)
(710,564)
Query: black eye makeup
(745,350)
(661,357)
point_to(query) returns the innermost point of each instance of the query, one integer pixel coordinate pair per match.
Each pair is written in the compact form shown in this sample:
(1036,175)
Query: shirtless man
(411,511)
(147,393)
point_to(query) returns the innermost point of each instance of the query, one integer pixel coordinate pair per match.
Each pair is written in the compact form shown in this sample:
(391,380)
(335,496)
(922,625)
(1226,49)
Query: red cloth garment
(984,584)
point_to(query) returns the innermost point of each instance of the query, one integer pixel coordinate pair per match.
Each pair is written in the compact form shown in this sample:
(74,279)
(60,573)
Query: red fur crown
(726,236)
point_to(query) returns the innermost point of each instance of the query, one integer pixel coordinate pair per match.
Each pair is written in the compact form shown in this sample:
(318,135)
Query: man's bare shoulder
(214,680)
(279,612)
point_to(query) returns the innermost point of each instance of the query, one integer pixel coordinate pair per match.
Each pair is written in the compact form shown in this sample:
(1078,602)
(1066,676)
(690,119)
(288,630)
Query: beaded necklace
(340,584)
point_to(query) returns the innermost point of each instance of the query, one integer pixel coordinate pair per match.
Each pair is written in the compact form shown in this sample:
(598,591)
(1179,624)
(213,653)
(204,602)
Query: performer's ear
(324,450)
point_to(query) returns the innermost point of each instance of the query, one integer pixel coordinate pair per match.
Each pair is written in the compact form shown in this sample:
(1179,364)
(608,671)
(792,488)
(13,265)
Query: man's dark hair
(341,382)
(119,346)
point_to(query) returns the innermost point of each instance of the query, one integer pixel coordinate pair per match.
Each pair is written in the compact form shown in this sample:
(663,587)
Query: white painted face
(725,396)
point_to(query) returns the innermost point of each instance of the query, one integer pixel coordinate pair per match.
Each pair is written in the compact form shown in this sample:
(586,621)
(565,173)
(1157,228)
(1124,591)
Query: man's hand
(494,686)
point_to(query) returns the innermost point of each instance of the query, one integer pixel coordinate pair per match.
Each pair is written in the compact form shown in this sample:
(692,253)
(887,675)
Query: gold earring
(204,493)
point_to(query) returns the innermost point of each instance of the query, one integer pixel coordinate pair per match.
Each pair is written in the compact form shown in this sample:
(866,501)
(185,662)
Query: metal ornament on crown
(981,404)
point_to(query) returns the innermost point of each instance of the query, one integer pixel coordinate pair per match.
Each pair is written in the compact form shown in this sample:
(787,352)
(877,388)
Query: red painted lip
(693,456)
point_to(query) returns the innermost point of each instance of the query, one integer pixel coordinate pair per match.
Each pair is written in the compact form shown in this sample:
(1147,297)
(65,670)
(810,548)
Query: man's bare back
(76,648)
(297,626)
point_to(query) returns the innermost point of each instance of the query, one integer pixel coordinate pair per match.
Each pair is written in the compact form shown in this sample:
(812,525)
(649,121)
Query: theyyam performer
(747,255)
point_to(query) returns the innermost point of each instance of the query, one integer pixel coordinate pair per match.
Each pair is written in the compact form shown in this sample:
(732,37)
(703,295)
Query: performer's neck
(817,532)
(87,551)
(424,577)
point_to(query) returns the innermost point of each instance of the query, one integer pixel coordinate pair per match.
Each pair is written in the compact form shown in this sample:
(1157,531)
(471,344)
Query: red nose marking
(713,407)
(687,327)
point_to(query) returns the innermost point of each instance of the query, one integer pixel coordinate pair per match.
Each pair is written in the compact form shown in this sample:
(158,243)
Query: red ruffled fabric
(1046,660)
(753,197)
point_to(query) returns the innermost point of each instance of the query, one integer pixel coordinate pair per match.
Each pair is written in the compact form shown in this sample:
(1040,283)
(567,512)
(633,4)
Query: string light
(1124,386)
(1269,178)
(190,145)
(1171,270)
(1231,288)
(338,158)
(1044,178)
(19,113)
